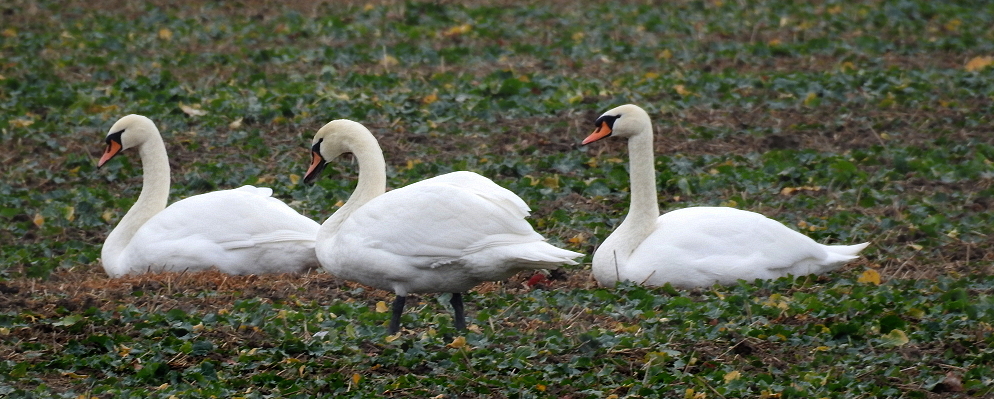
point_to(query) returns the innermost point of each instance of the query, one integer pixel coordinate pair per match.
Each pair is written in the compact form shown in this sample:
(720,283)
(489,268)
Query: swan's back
(701,246)
(239,231)
(445,234)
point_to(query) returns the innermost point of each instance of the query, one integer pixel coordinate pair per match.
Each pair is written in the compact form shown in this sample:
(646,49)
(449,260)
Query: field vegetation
(848,121)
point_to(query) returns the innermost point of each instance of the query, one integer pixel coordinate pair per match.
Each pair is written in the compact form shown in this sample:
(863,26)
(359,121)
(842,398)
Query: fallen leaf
(21,122)
(389,60)
(165,34)
(978,63)
(457,343)
(870,276)
(70,213)
(356,378)
(9,32)
(732,376)
(651,75)
(294,178)
(896,338)
(236,124)
(39,220)
(381,307)
(430,98)
(681,90)
(457,30)
(665,54)
(190,110)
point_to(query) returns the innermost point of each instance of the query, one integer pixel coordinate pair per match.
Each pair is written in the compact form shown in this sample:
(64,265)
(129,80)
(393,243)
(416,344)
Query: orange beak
(601,132)
(317,165)
(113,148)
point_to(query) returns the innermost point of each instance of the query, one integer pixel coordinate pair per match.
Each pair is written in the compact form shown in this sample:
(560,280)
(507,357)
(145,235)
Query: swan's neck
(644,210)
(152,200)
(372,183)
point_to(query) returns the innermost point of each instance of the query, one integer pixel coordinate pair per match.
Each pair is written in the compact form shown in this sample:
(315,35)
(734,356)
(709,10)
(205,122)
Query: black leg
(460,317)
(398,309)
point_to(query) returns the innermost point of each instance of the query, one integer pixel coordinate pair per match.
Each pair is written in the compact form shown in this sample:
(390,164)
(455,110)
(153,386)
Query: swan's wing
(483,187)
(208,224)
(727,244)
(439,220)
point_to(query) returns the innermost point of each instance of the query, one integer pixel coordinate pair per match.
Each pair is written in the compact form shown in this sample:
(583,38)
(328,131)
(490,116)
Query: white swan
(444,234)
(698,246)
(239,231)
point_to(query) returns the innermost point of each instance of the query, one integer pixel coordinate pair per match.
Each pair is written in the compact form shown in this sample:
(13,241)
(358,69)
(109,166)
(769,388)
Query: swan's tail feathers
(838,255)
(547,256)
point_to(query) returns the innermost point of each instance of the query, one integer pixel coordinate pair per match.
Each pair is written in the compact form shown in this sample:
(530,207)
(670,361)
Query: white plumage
(444,234)
(238,231)
(698,246)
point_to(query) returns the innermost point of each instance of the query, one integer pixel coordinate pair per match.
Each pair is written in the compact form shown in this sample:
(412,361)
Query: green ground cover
(849,121)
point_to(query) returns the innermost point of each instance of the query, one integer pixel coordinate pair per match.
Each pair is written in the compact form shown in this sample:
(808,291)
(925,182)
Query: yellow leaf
(732,376)
(390,338)
(651,75)
(774,42)
(916,247)
(294,178)
(430,98)
(70,213)
(3,77)
(834,9)
(39,220)
(578,36)
(165,34)
(870,276)
(457,343)
(681,90)
(193,110)
(896,338)
(21,122)
(953,25)
(368,7)
(578,239)
(381,307)
(236,124)
(688,394)
(978,63)
(665,54)
(107,216)
(847,66)
(355,378)
(811,99)
(9,32)
(592,162)
(822,348)
(412,162)
(457,30)
(540,387)
(389,60)
(264,179)
(551,182)
(74,375)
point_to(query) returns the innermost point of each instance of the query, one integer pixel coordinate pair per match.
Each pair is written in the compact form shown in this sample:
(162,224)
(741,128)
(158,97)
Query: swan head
(129,131)
(625,121)
(335,138)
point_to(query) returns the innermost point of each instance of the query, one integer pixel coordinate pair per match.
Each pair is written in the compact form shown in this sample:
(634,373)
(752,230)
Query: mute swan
(444,234)
(239,231)
(697,246)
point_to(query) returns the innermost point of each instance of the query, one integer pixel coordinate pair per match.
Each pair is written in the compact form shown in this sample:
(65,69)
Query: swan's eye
(608,119)
(116,137)
(316,148)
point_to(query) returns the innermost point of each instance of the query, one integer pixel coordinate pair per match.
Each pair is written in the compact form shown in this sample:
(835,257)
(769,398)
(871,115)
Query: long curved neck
(152,200)
(372,182)
(644,210)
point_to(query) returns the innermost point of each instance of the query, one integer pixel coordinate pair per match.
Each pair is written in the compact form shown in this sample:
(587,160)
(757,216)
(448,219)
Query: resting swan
(239,231)
(444,234)
(697,246)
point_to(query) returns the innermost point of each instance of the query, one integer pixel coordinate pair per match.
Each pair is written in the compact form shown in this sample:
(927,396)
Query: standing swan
(239,231)
(445,234)
(698,246)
